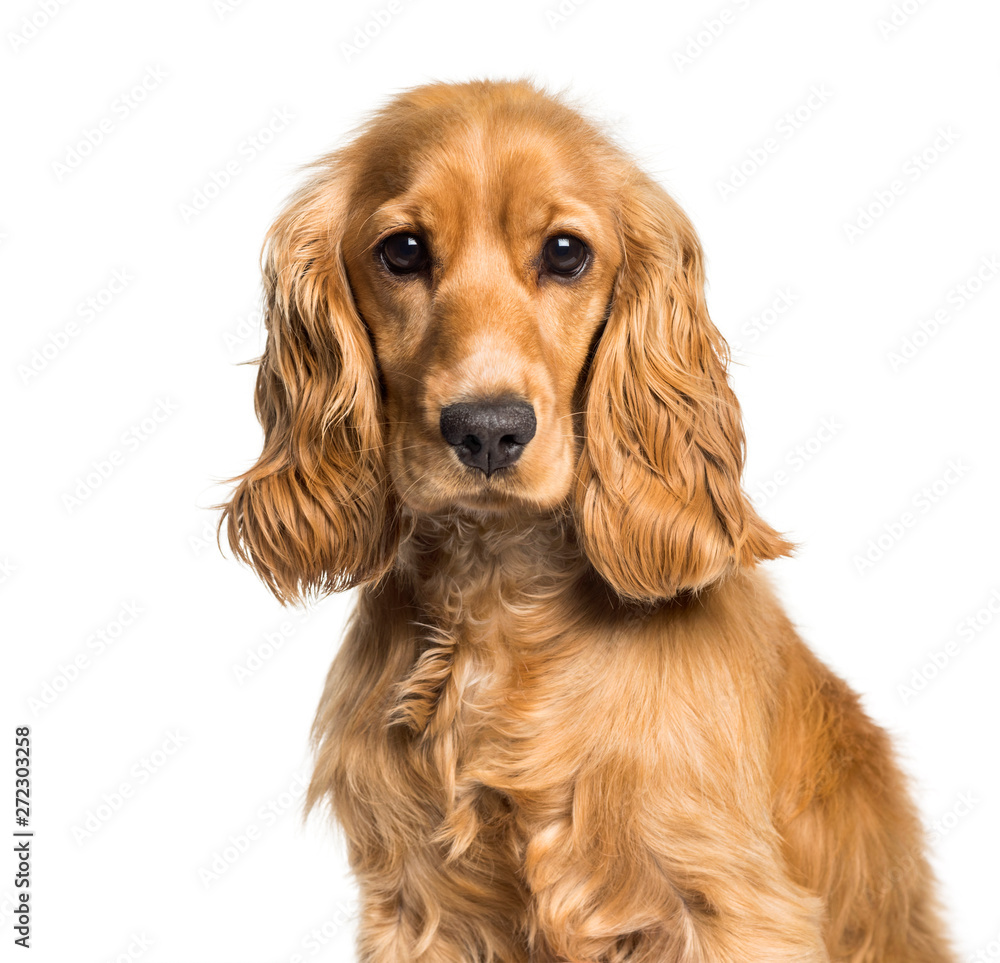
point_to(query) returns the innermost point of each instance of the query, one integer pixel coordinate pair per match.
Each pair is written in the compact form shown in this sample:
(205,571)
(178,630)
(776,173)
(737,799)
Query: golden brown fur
(569,720)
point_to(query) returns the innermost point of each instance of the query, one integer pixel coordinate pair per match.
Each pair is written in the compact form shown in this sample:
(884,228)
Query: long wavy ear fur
(316,512)
(658,500)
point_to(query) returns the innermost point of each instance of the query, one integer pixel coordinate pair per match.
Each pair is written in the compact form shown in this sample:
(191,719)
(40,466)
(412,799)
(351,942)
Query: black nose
(488,434)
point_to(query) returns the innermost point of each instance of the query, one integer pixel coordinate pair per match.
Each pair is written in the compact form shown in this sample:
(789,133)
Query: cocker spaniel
(569,721)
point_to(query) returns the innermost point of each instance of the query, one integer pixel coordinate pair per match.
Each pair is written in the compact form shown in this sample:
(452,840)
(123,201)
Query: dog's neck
(465,564)
(490,592)
(486,590)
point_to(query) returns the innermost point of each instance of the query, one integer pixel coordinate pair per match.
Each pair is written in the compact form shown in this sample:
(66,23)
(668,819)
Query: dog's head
(481,304)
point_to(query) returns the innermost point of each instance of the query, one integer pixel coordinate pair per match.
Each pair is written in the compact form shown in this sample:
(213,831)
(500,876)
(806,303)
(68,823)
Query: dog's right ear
(316,513)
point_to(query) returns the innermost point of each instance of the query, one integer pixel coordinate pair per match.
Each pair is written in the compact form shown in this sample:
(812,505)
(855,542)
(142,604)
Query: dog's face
(483,271)
(482,305)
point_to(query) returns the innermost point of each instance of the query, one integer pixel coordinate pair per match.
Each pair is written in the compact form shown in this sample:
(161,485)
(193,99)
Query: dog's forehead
(506,167)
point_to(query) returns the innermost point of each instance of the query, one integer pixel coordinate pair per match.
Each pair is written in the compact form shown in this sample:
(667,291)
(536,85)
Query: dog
(569,720)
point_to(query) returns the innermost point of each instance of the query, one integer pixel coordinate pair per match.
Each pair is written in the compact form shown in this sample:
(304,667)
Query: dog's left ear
(658,500)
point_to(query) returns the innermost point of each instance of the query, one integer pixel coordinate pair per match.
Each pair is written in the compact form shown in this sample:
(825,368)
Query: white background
(164,877)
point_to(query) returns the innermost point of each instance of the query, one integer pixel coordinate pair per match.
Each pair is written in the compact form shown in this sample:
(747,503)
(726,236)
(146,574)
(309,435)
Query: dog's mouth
(501,489)
(495,489)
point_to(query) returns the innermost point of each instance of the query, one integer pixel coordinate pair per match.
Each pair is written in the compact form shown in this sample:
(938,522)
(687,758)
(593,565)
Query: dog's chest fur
(494,697)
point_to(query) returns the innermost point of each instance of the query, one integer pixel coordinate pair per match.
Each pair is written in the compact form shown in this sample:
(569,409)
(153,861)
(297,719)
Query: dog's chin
(503,492)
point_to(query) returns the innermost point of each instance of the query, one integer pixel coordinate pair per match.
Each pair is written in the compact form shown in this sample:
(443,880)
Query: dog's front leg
(695,889)
(436,913)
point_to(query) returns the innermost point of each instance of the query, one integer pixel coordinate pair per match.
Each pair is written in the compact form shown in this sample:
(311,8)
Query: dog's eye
(403,253)
(565,255)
